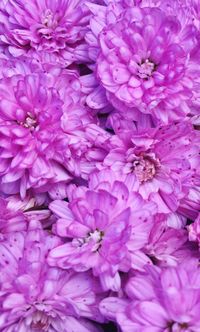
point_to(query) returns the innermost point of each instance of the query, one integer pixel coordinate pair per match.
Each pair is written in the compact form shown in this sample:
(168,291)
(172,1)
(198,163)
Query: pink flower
(32,130)
(106,230)
(167,246)
(36,297)
(144,61)
(40,115)
(95,235)
(165,299)
(52,27)
(88,146)
(162,162)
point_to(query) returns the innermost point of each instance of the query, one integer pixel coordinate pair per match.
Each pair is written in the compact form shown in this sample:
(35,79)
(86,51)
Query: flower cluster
(99,165)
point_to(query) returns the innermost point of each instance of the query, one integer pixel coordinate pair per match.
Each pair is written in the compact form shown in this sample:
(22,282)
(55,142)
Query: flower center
(96,237)
(145,69)
(145,168)
(175,327)
(48,19)
(40,321)
(30,122)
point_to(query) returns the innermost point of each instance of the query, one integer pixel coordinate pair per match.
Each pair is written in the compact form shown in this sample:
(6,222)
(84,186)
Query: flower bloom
(162,242)
(165,299)
(36,297)
(56,27)
(105,230)
(43,122)
(168,246)
(95,236)
(163,162)
(144,61)
(30,114)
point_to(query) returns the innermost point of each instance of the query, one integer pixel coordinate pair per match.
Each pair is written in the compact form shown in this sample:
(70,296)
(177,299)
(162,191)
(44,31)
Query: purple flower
(97,227)
(36,297)
(144,61)
(88,145)
(52,27)
(30,116)
(167,246)
(40,115)
(105,230)
(165,299)
(163,162)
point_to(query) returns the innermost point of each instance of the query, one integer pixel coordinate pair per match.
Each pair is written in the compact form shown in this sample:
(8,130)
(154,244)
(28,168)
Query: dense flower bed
(99,165)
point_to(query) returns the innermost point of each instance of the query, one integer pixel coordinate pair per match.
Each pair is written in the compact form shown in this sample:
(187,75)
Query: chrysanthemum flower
(163,163)
(88,145)
(97,228)
(44,134)
(36,297)
(51,26)
(168,246)
(106,230)
(165,299)
(161,244)
(30,133)
(144,61)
